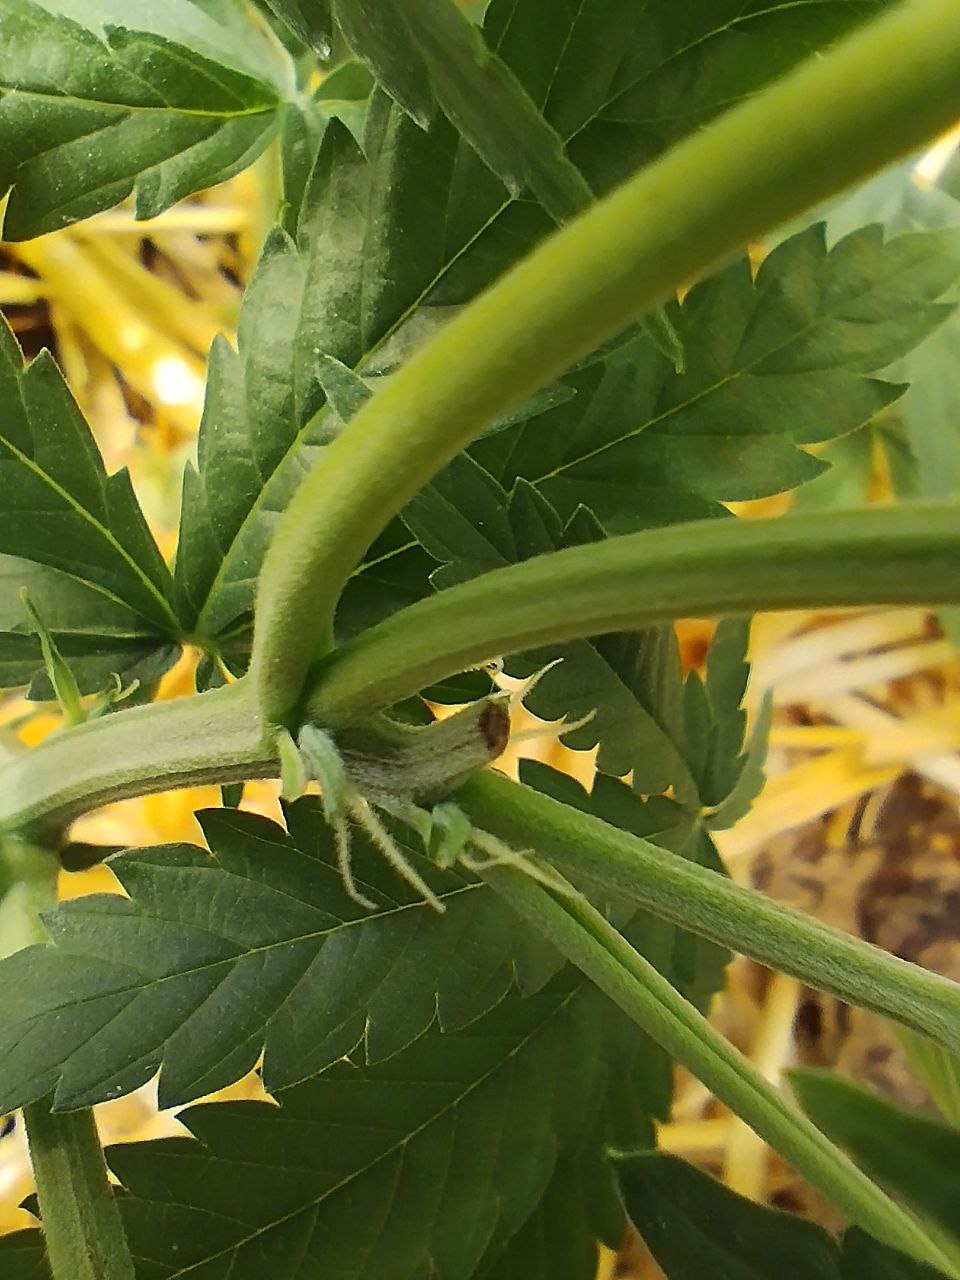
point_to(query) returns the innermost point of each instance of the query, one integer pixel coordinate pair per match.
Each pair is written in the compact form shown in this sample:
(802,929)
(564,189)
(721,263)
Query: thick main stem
(837,118)
(215,737)
(587,939)
(82,1230)
(713,907)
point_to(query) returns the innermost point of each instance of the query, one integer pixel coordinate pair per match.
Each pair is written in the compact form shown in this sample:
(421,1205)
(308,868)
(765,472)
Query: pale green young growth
(65,687)
(449,831)
(325,764)
(294,774)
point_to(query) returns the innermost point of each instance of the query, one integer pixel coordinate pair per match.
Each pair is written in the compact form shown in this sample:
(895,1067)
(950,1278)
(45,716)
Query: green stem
(711,906)
(906,555)
(899,555)
(881,92)
(588,940)
(81,1222)
(214,737)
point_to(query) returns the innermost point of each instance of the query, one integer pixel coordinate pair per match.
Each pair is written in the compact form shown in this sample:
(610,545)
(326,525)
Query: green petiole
(587,939)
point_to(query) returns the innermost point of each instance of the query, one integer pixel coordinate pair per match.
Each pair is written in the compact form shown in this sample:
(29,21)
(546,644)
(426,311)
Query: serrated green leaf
(100,99)
(774,364)
(749,770)
(646,720)
(384,248)
(214,955)
(729,777)
(913,1156)
(60,509)
(426,50)
(97,636)
(417,1166)
(466,519)
(623,83)
(696,1227)
(261,426)
(620,84)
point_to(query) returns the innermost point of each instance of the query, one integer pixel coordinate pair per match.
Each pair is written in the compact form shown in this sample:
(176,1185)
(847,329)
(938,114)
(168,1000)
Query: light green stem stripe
(903,555)
(81,1222)
(713,907)
(583,935)
(885,90)
(82,1230)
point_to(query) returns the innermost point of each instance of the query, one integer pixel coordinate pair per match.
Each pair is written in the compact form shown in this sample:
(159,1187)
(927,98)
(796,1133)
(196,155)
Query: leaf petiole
(587,939)
(713,907)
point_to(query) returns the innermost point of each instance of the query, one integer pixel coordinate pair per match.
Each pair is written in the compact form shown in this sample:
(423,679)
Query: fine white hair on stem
(366,818)
(501,855)
(341,835)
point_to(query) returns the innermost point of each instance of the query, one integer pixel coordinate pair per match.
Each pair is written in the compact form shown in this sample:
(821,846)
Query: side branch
(903,555)
(214,737)
(587,939)
(874,96)
(908,555)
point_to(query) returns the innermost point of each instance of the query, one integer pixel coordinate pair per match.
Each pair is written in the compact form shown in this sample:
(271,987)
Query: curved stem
(214,737)
(587,939)
(82,1230)
(905,555)
(713,907)
(872,97)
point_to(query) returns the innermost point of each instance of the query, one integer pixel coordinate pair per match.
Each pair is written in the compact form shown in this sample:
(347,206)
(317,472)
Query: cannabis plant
(500,368)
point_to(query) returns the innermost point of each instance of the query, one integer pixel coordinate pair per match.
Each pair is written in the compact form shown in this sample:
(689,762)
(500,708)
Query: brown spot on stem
(494,724)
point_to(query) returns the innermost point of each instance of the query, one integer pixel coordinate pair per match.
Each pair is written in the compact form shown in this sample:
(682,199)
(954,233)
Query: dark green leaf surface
(426,50)
(262,425)
(23,1257)
(623,82)
(59,509)
(384,246)
(310,20)
(215,955)
(415,1167)
(695,1227)
(646,719)
(97,636)
(559,1238)
(915,1157)
(773,365)
(98,99)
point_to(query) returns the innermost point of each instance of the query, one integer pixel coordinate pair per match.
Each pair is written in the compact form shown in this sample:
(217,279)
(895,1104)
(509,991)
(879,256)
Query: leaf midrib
(127,109)
(245,953)
(108,536)
(452,1105)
